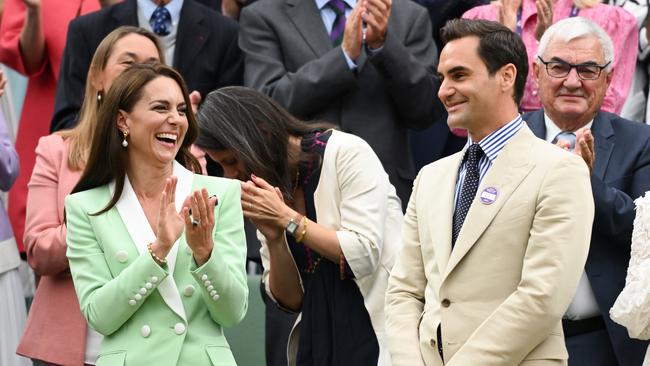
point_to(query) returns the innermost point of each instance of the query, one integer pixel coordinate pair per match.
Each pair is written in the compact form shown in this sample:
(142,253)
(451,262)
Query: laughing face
(157,124)
(467,90)
(570,101)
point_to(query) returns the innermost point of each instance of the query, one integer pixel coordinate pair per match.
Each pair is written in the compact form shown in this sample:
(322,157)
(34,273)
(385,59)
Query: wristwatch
(292,226)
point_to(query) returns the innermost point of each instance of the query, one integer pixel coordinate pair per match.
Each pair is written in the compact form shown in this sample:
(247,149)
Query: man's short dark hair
(498,46)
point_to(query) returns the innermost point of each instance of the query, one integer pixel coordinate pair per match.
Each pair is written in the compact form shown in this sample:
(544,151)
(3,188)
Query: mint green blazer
(148,314)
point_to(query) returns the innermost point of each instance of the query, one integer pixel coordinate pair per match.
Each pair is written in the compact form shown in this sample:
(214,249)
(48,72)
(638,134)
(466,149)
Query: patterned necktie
(569,137)
(159,20)
(468,190)
(338,27)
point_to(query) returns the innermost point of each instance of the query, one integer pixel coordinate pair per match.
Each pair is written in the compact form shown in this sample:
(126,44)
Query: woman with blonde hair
(530,18)
(56,333)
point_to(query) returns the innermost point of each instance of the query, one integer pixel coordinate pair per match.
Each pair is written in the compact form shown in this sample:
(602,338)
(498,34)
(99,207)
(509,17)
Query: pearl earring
(99,97)
(125,143)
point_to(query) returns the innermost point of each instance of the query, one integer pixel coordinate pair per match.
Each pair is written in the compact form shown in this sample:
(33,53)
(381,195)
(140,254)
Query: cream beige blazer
(501,293)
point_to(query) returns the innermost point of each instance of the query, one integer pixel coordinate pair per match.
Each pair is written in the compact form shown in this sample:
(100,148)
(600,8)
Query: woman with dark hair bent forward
(328,216)
(156,252)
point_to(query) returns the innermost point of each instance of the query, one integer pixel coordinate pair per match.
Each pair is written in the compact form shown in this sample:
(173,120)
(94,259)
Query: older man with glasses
(574,70)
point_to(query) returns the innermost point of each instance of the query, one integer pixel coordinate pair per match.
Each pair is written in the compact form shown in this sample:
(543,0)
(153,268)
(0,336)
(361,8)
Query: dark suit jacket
(621,174)
(440,11)
(290,57)
(206,53)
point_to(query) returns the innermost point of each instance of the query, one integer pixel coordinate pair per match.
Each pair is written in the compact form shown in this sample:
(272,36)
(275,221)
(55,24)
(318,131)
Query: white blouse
(632,307)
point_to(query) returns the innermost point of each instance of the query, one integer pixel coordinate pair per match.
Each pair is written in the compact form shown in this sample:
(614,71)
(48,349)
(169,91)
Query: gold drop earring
(125,143)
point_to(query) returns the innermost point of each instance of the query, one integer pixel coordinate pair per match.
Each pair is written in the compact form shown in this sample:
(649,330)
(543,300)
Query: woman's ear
(123,121)
(97,83)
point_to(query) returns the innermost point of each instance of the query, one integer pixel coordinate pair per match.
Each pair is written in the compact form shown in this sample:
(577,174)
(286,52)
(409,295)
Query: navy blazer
(621,173)
(206,53)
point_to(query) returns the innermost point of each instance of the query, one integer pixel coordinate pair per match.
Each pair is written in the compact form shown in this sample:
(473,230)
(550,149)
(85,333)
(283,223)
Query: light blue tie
(569,137)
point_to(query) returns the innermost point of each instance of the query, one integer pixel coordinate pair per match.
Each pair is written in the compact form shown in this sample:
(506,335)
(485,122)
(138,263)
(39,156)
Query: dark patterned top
(335,327)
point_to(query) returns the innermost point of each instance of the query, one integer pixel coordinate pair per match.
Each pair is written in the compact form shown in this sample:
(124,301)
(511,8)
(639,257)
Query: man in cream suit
(495,236)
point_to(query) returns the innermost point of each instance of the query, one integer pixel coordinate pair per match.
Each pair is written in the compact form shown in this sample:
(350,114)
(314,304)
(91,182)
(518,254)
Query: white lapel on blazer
(141,233)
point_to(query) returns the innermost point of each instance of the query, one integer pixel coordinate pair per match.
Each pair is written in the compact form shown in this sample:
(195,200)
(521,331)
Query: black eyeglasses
(560,68)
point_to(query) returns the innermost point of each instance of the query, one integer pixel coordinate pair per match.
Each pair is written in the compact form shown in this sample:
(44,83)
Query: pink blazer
(41,86)
(616,21)
(56,330)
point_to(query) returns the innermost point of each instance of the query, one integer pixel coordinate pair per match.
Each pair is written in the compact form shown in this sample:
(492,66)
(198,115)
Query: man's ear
(122,121)
(536,70)
(508,76)
(608,77)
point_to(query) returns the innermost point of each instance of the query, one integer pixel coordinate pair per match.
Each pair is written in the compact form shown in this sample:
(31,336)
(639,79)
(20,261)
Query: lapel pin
(489,195)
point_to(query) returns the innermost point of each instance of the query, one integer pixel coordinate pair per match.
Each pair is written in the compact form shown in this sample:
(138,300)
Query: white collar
(553,130)
(141,233)
(174,7)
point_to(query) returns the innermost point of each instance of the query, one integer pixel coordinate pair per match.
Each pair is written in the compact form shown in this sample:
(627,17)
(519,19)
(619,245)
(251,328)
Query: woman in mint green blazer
(157,253)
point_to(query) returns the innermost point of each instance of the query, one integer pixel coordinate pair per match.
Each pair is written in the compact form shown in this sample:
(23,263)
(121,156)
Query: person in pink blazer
(56,332)
(616,21)
(32,38)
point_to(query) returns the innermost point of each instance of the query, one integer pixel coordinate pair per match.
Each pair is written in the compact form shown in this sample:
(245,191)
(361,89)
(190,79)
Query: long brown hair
(81,135)
(257,130)
(107,159)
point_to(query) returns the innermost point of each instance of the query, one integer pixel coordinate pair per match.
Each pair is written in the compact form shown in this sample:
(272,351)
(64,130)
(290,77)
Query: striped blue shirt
(491,145)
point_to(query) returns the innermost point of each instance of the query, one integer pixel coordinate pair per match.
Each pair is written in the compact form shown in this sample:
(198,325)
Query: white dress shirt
(146,9)
(583,305)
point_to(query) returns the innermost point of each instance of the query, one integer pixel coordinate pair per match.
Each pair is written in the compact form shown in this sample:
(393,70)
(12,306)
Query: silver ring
(196,222)
(250,206)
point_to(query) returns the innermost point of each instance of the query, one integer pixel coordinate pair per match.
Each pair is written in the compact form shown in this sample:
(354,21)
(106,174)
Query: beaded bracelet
(304,230)
(342,266)
(161,261)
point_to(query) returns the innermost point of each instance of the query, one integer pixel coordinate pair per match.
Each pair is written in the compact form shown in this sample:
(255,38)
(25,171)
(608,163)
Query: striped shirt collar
(493,143)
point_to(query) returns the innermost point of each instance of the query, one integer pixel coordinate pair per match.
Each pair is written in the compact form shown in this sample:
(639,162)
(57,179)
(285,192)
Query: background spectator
(199,42)
(32,37)
(313,60)
(635,107)
(12,298)
(617,152)
(524,17)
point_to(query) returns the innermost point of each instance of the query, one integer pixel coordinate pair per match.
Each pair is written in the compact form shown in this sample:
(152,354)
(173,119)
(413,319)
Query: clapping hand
(170,222)
(198,214)
(351,43)
(376,13)
(264,206)
(544,17)
(585,147)
(507,12)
